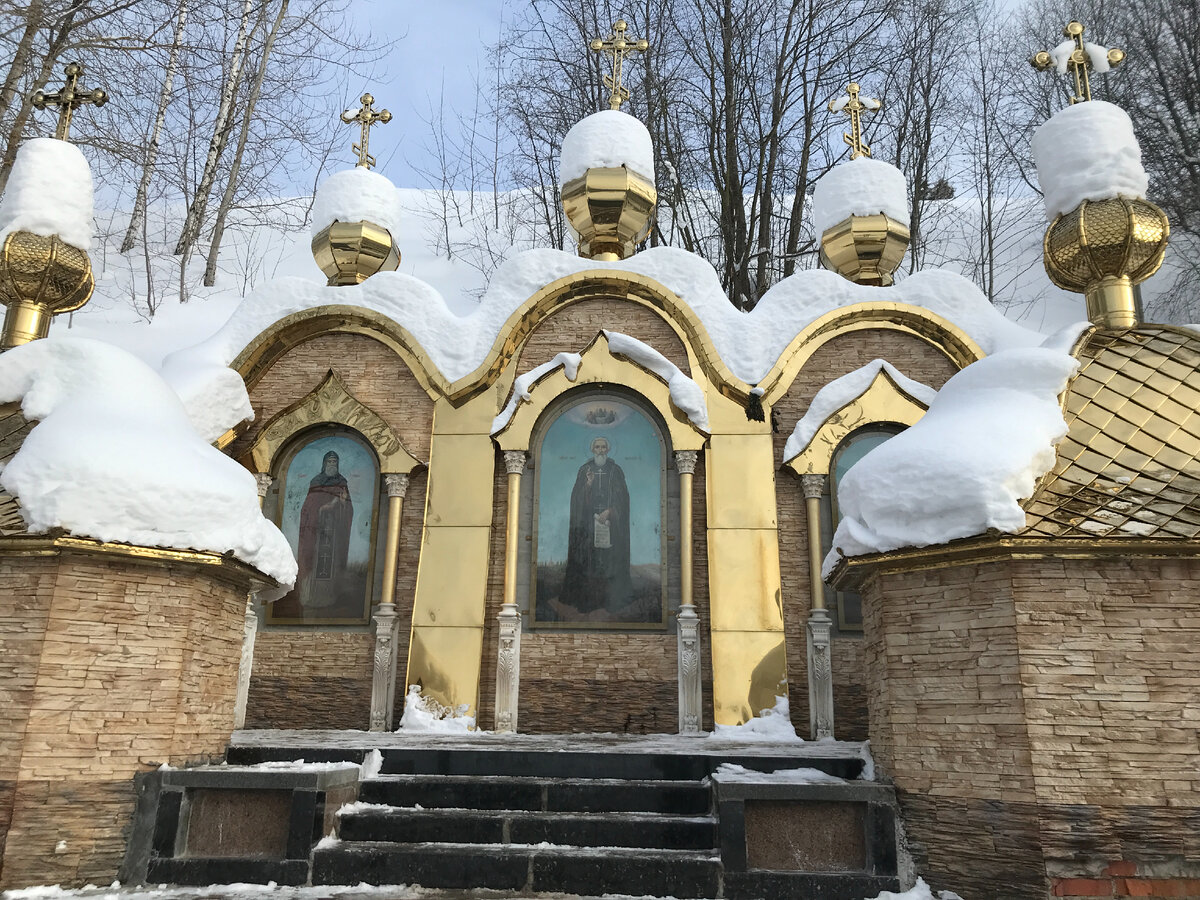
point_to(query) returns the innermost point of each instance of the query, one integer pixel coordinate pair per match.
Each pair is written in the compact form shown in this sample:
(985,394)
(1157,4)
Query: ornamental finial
(855,105)
(69,98)
(1080,56)
(618,47)
(366,117)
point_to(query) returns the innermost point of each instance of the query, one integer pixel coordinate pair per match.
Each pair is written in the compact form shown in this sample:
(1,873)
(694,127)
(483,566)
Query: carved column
(508,663)
(249,628)
(820,663)
(690,695)
(383,668)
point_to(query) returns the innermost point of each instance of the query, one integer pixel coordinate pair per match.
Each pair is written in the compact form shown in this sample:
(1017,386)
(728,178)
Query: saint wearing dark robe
(324,542)
(597,580)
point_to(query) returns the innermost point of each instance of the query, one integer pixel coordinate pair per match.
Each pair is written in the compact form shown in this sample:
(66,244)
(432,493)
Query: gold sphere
(40,277)
(351,252)
(865,249)
(610,210)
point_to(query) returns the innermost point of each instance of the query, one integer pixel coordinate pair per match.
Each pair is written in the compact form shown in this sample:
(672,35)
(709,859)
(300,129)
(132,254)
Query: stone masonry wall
(136,666)
(1038,718)
(845,353)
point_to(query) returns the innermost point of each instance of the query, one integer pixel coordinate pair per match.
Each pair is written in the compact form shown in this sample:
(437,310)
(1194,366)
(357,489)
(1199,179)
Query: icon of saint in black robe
(597,574)
(324,541)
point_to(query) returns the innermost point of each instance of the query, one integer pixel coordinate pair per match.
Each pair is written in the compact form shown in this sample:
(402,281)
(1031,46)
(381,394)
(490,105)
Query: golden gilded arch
(331,403)
(882,402)
(599,365)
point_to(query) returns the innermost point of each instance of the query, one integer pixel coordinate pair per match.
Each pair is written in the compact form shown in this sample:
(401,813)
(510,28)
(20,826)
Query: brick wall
(1038,718)
(845,353)
(137,666)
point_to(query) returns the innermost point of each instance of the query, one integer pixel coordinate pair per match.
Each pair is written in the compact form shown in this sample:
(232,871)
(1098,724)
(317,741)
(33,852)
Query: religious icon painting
(327,513)
(598,551)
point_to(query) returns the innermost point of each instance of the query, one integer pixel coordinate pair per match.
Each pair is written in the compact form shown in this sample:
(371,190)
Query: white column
(688,623)
(383,666)
(249,628)
(820,663)
(508,661)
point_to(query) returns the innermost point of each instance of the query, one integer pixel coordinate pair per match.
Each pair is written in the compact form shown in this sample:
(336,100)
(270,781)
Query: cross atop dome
(855,105)
(366,116)
(618,47)
(69,98)
(1079,56)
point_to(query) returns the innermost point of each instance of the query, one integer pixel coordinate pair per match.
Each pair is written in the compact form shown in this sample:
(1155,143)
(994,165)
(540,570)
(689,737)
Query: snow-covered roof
(115,458)
(357,195)
(749,343)
(607,139)
(49,192)
(859,187)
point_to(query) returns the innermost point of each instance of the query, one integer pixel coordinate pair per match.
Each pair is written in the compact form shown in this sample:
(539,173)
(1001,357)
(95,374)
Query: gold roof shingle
(1130,463)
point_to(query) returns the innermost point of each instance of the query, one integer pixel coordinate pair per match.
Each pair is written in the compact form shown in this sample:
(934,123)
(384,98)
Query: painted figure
(597,575)
(324,545)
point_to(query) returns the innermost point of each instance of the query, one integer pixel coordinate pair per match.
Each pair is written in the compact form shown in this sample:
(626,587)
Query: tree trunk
(20,61)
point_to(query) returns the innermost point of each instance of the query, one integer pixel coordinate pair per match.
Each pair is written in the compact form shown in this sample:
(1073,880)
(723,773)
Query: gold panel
(743,579)
(331,402)
(452,577)
(461,469)
(882,401)
(610,211)
(445,662)
(741,481)
(351,252)
(599,365)
(749,671)
(865,249)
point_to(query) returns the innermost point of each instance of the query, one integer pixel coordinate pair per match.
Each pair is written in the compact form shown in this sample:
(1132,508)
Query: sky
(439,46)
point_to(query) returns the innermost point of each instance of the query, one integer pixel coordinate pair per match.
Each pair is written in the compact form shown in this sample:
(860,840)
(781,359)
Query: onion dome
(356,216)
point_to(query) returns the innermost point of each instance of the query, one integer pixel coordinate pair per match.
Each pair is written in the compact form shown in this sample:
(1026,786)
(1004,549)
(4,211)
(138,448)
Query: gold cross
(1079,60)
(618,47)
(855,105)
(68,99)
(366,117)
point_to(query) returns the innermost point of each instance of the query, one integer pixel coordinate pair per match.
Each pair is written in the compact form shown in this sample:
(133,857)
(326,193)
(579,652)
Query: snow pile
(920,891)
(987,438)
(1087,152)
(844,390)
(1097,56)
(49,192)
(114,457)
(733,772)
(371,764)
(859,187)
(569,362)
(774,724)
(426,714)
(606,140)
(687,396)
(357,195)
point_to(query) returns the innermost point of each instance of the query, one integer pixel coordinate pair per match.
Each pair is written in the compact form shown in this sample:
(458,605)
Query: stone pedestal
(690,697)
(820,675)
(383,668)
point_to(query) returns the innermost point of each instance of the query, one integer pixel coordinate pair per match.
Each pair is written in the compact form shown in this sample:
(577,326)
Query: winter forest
(223,118)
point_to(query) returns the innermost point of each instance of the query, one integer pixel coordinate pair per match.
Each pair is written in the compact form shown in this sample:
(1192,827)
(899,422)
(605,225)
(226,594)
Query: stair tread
(450,847)
(361,808)
(536,779)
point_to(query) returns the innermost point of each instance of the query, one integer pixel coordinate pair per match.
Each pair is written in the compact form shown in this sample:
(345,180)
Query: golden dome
(1129,466)
(40,277)
(351,252)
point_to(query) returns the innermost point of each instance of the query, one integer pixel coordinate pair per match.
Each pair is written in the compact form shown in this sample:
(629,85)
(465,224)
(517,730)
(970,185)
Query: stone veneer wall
(915,358)
(108,667)
(1039,721)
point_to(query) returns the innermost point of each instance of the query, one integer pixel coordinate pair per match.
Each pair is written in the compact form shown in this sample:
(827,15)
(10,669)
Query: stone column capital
(514,461)
(397,485)
(685,461)
(813,485)
(265,480)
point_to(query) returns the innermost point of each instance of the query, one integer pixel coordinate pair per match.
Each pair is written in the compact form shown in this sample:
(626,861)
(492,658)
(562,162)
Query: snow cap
(49,192)
(1088,151)
(607,140)
(859,187)
(357,195)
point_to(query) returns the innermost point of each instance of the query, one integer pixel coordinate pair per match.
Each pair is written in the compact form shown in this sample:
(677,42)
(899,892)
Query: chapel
(605,502)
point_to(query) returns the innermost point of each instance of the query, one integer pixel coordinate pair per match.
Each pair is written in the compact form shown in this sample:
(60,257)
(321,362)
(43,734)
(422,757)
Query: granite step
(537,868)
(472,826)
(689,798)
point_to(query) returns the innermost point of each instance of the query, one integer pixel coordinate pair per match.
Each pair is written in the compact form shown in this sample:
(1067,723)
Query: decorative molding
(813,486)
(397,485)
(685,461)
(690,695)
(508,668)
(383,668)
(246,663)
(264,481)
(820,675)
(514,462)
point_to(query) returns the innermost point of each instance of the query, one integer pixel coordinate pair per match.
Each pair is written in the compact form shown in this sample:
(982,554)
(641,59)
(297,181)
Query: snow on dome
(987,438)
(607,139)
(115,458)
(49,192)
(859,187)
(458,343)
(1088,151)
(357,195)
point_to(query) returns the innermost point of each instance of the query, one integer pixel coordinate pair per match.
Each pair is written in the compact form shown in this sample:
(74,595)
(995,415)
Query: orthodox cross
(69,98)
(1079,56)
(366,117)
(618,47)
(855,106)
